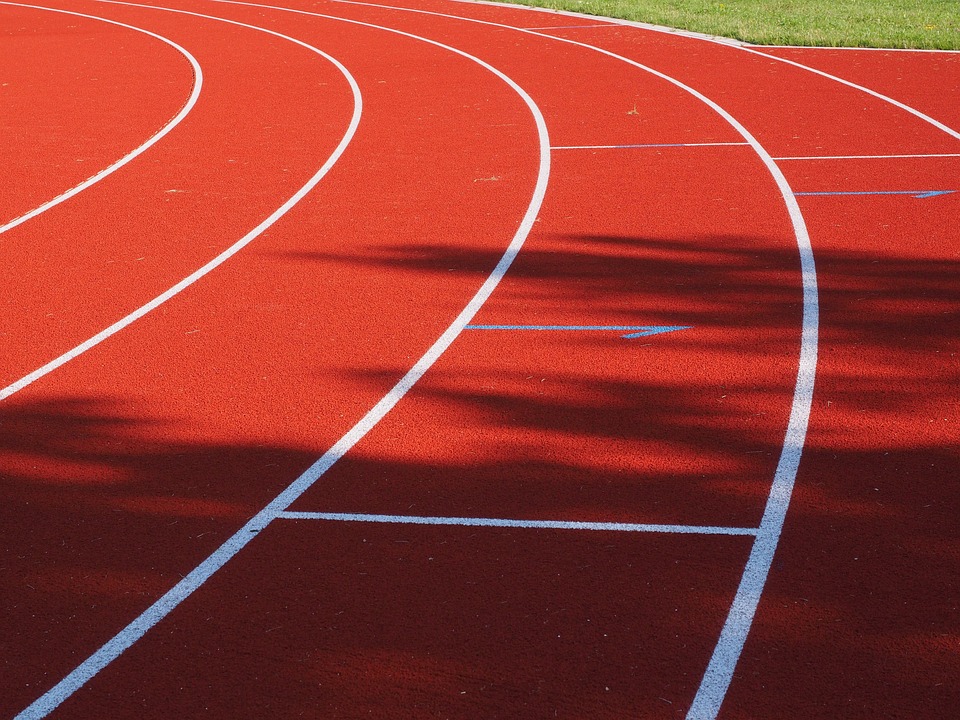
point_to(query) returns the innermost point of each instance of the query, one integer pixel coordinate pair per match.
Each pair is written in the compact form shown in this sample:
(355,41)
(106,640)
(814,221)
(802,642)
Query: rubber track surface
(128,466)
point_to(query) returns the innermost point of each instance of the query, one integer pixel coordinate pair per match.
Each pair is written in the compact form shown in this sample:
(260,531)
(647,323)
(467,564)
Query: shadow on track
(103,512)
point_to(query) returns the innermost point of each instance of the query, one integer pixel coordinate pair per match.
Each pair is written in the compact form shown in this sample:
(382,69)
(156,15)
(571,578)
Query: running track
(279,438)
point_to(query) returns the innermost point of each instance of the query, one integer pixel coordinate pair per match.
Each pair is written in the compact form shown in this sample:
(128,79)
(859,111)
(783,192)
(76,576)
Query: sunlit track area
(451,359)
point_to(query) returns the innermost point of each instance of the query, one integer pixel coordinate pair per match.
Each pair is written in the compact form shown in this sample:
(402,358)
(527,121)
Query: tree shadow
(103,512)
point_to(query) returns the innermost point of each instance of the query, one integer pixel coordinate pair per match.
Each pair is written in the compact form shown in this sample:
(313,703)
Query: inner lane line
(511,523)
(649,145)
(634,331)
(921,194)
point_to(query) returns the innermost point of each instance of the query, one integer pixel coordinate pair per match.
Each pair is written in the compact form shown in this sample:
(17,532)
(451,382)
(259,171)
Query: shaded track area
(442,567)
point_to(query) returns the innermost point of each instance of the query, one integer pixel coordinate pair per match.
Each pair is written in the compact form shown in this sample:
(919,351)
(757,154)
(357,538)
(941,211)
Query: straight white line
(226,254)
(184,111)
(575,27)
(867,157)
(650,145)
(509,523)
(220,557)
(719,672)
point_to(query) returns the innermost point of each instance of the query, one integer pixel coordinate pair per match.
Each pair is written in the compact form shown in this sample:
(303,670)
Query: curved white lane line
(746,47)
(719,673)
(111,650)
(230,251)
(184,111)
(880,96)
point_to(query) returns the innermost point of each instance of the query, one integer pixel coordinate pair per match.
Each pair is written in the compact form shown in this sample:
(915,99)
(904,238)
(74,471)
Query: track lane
(924,82)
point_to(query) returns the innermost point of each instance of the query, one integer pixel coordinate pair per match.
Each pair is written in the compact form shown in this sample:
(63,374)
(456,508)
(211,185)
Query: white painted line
(531,524)
(117,645)
(153,140)
(880,96)
(575,27)
(649,145)
(867,157)
(226,254)
(719,673)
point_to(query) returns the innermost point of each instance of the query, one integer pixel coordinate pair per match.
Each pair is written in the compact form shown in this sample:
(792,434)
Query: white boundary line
(226,254)
(113,648)
(867,157)
(719,672)
(526,524)
(184,111)
(649,146)
(746,47)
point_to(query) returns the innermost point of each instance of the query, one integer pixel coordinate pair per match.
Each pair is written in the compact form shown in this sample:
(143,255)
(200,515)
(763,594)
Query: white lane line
(115,647)
(867,157)
(226,254)
(880,96)
(184,111)
(719,672)
(575,27)
(649,145)
(531,524)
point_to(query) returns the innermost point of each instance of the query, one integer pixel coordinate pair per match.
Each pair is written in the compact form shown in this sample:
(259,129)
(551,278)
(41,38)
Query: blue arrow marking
(635,331)
(920,194)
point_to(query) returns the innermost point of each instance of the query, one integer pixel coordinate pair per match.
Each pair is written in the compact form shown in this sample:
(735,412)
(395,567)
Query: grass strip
(918,24)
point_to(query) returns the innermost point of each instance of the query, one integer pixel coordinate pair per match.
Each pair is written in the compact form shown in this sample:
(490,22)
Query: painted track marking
(868,157)
(575,27)
(880,96)
(527,524)
(719,673)
(135,630)
(919,194)
(153,140)
(636,331)
(649,145)
(230,251)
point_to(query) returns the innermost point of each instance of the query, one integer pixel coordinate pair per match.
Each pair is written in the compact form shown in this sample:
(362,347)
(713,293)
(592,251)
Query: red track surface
(125,468)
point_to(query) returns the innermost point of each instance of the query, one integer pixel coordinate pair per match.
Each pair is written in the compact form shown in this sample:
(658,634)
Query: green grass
(930,24)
